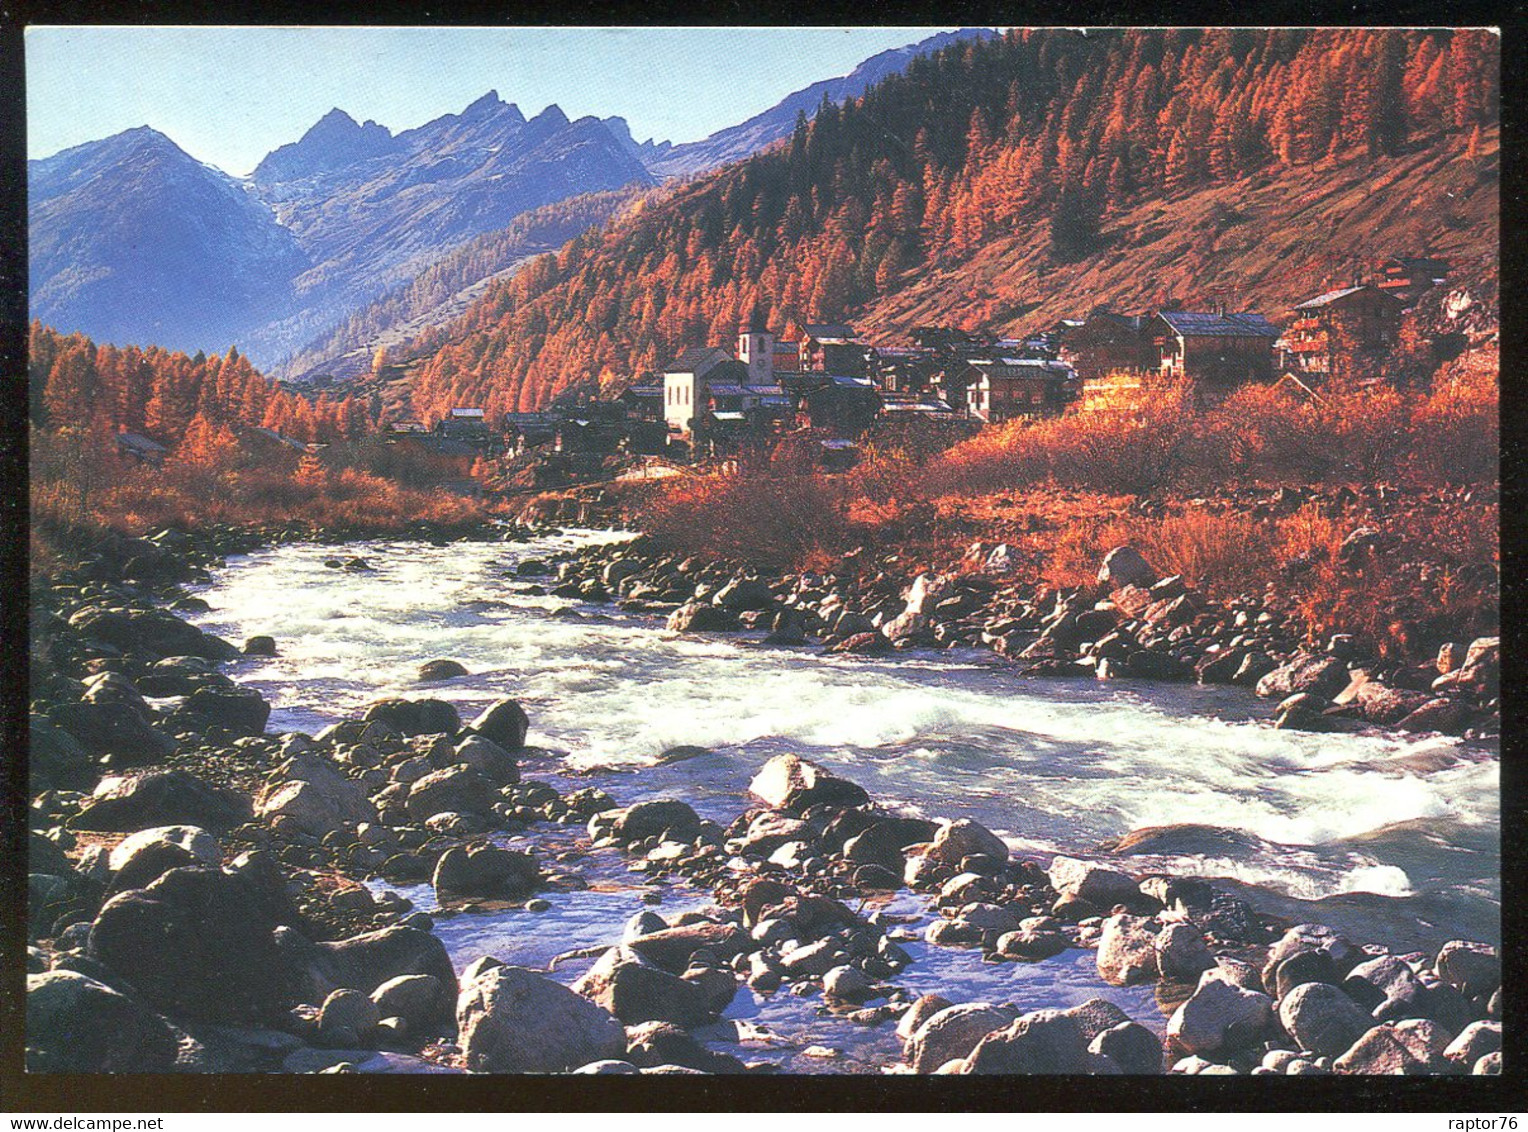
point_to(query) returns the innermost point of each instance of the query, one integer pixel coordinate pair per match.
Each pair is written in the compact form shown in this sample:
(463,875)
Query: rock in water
(504,723)
(1323,1019)
(953,1033)
(789,782)
(637,991)
(416,717)
(433,670)
(78,1025)
(1219,1016)
(512,1020)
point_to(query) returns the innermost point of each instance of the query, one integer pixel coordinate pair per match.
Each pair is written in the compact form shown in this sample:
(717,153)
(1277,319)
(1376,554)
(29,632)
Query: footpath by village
(196,897)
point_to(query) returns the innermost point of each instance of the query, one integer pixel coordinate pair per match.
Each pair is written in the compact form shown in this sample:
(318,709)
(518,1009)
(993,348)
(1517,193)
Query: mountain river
(1392,838)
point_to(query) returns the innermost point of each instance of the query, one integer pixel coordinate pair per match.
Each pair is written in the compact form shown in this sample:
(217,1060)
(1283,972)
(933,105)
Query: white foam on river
(1054,765)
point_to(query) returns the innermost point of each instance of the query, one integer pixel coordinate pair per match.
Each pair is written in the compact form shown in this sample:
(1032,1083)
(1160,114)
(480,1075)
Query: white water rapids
(1396,834)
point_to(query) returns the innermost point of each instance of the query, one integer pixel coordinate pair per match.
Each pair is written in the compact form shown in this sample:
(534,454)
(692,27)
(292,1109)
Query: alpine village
(990,566)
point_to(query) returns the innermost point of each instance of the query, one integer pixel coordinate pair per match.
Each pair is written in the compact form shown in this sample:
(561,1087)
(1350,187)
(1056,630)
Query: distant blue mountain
(664,159)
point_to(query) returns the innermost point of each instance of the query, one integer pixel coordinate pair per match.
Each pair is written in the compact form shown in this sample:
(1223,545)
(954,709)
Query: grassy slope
(1300,230)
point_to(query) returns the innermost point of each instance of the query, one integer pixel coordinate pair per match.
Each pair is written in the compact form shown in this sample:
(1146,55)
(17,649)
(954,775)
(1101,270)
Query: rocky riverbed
(207,894)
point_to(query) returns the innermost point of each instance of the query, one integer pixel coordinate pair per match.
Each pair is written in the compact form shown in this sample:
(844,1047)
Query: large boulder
(485,871)
(1099,885)
(884,842)
(1473,968)
(742,594)
(229,711)
(1313,938)
(647,819)
(1409,1049)
(112,729)
(1323,1019)
(953,1032)
(1219,1016)
(1126,566)
(155,632)
(1322,676)
(1127,951)
(503,722)
(78,1025)
(196,942)
(1131,1046)
(1050,1042)
(636,990)
(489,759)
(457,789)
(146,856)
(417,999)
(1182,953)
(789,782)
(512,1020)
(313,794)
(416,717)
(701,617)
(671,948)
(955,841)
(127,803)
(365,962)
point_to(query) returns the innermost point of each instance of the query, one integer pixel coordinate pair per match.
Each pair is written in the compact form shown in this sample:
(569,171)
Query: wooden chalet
(142,449)
(827,348)
(1106,342)
(1215,348)
(1360,318)
(1004,389)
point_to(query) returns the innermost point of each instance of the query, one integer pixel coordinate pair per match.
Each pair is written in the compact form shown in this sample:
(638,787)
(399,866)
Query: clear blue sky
(228,96)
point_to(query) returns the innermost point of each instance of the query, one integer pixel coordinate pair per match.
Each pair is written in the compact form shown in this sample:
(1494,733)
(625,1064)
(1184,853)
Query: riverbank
(293,826)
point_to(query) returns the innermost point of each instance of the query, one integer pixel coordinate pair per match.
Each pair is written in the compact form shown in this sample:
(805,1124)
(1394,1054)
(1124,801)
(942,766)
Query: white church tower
(756,350)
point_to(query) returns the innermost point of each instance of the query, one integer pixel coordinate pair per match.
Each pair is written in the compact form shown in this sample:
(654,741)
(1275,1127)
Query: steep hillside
(133,240)
(775,124)
(1008,182)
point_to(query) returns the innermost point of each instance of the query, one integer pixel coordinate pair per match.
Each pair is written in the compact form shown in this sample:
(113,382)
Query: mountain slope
(448,286)
(998,184)
(775,124)
(133,240)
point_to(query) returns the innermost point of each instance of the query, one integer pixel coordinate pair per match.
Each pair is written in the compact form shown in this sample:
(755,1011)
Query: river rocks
(365,962)
(1310,938)
(1049,1042)
(701,617)
(503,722)
(309,792)
(489,759)
(789,782)
(672,947)
(1386,706)
(1474,1042)
(224,711)
(456,789)
(154,632)
(1323,676)
(485,871)
(636,990)
(104,724)
(126,803)
(1398,1050)
(1386,987)
(512,1020)
(1127,951)
(745,594)
(646,819)
(195,941)
(953,1033)
(346,1017)
(847,984)
(1219,1017)
(418,1000)
(1182,953)
(883,843)
(1472,968)
(1130,1046)
(1032,942)
(197,843)
(75,1024)
(1084,880)
(416,717)
(1126,566)
(1323,1019)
